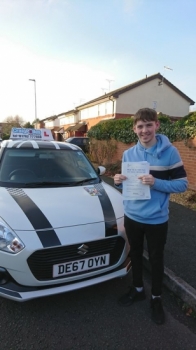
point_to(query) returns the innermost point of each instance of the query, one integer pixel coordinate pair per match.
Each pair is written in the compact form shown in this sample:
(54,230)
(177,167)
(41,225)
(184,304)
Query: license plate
(81,265)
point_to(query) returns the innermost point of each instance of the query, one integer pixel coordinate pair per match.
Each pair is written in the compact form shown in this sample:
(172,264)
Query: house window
(154,105)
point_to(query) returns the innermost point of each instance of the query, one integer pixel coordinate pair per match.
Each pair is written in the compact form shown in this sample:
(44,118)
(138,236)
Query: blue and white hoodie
(170,177)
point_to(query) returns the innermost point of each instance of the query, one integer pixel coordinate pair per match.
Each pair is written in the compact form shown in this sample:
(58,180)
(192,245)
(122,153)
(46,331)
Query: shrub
(122,129)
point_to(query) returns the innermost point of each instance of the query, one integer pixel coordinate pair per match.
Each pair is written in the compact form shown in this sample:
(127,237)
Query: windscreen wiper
(56,184)
(84,181)
(48,183)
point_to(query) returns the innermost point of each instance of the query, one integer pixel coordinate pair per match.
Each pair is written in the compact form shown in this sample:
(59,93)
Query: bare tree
(11,122)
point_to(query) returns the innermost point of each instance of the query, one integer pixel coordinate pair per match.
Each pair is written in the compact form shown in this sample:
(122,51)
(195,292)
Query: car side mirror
(101,170)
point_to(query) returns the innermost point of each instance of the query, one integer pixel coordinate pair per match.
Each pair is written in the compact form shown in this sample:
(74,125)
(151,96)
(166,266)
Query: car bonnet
(44,208)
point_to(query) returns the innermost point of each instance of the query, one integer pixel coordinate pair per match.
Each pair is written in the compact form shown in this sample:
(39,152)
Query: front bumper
(16,292)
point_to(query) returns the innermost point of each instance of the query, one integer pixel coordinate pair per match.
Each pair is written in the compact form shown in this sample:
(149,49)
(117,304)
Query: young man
(149,217)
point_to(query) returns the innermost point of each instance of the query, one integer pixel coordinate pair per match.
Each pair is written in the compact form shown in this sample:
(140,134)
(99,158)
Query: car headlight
(9,241)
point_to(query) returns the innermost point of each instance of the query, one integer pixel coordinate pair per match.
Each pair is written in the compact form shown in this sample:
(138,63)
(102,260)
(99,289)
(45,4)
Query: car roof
(27,138)
(38,144)
(77,137)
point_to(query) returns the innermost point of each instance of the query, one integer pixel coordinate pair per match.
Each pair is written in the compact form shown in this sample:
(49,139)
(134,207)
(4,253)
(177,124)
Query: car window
(77,141)
(49,165)
(69,139)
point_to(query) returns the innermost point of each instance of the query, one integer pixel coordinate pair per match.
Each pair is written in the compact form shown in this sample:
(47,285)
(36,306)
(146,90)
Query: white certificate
(133,188)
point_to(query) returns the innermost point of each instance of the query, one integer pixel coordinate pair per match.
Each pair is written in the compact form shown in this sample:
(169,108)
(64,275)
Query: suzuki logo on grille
(83,249)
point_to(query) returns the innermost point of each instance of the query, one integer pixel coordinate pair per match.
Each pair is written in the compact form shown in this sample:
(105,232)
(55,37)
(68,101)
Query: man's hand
(147,179)
(119,178)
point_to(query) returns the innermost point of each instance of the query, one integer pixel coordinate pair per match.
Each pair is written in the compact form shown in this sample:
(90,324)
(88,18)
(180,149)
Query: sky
(76,50)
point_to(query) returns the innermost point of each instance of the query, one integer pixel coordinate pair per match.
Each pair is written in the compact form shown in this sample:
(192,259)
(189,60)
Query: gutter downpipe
(111,98)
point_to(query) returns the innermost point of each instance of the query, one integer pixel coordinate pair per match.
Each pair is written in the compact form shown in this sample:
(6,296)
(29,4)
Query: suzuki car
(61,226)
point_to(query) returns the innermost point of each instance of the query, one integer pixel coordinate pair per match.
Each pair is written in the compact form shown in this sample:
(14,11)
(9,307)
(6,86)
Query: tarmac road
(91,319)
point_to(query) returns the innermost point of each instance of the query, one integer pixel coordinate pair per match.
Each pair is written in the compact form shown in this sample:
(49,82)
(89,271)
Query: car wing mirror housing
(101,170)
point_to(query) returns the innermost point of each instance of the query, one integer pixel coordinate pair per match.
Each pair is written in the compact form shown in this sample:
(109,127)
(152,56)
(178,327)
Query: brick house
(154,92)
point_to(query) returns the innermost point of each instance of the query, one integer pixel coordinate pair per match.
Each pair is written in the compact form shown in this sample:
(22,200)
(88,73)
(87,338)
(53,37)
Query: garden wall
(187,152)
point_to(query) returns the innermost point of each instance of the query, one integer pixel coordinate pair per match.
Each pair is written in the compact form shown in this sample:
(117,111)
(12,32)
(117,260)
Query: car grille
(41,262)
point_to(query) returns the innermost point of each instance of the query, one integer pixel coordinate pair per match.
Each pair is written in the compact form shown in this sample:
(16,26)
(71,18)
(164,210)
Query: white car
(61,226)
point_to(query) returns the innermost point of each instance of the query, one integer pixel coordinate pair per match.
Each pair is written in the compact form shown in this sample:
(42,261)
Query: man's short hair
(145,114)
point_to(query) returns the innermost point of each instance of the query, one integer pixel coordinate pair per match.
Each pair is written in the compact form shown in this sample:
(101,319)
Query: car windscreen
(69,139)
(45,167)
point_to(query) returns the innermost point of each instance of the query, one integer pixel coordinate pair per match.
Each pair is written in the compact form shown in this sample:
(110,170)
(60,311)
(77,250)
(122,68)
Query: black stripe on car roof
(39,144)
(33,144)
(42,226)
(108,212)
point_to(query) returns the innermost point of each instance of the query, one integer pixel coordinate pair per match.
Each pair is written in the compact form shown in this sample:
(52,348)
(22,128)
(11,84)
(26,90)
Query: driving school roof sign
(31,134)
